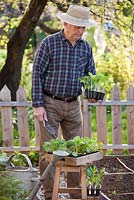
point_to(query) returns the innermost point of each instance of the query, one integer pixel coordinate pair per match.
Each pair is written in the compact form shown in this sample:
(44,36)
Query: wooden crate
(82,160)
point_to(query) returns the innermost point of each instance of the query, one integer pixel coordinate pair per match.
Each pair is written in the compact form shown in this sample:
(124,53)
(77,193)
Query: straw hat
(76,15)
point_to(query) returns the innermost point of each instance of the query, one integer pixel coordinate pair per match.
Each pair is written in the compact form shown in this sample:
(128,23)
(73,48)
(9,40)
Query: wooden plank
(103,196)
(116,120)
(6,114)
(101,124)
(83,182)
(37,148)
(103,103)
(19,149)
(70,190)
(112,103)
(82,160)
(22,114)
(68,168)
(130,118)
(118,146)
(86,119)
(56,183)
(71,199)
(15,103)
(37,132)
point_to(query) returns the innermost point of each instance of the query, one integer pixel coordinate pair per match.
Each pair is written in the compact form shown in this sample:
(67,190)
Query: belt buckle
(53,96)
(66,99)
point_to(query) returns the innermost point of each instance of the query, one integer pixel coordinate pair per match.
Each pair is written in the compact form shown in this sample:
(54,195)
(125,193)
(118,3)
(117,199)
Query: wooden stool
(67,168)
(71,164)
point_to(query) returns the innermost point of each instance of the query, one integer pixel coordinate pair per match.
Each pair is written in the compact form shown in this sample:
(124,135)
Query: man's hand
(40,113)
(92,100)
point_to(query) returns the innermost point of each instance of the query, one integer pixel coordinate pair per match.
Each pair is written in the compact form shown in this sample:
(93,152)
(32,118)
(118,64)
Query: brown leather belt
(68,99)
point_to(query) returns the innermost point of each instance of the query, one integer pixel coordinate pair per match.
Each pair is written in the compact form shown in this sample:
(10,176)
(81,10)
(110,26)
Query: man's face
(72,32)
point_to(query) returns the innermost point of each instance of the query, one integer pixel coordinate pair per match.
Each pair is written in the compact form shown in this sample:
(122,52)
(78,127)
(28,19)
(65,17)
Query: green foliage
(94,175)
(117,62)
(19,160)
(2,57)
(10,188)
(55,144)
(90,37)
(75,147)
(95,82)
(34,157)
(3,160)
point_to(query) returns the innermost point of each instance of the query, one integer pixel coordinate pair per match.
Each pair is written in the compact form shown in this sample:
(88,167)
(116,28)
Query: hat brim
(74,21)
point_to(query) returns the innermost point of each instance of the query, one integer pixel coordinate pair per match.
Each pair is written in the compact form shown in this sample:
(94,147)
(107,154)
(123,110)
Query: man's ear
(65,24)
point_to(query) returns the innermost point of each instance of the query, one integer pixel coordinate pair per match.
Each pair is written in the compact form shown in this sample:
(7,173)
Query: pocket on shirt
(82,63)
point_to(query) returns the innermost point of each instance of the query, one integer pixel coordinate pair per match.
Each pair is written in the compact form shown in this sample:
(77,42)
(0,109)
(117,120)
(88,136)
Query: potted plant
(77,146)
(100,173)
(93,177)
(94,84)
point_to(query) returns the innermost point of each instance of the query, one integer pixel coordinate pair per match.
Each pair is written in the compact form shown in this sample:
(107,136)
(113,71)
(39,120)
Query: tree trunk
(11,71)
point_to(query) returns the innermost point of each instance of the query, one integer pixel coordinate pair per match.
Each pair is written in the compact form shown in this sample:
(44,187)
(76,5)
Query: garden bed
(118,183)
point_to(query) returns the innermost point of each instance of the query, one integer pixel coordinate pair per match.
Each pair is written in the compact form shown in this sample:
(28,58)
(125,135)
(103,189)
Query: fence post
(86,117)
(116,120)
(130,118)
(22,118)
(37,132)
(101,124)
(6,113)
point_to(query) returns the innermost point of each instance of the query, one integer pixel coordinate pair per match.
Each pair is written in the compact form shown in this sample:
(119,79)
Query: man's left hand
(92,100)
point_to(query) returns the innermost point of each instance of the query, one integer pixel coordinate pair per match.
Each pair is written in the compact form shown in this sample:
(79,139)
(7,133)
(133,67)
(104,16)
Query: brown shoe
(48,198)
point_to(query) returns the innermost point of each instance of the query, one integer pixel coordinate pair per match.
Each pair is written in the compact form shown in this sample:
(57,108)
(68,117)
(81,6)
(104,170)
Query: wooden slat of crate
(82,160)
(69,199)
(71,190)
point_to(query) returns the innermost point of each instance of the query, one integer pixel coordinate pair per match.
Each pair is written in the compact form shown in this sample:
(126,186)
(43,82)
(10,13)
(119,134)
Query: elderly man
(60,60)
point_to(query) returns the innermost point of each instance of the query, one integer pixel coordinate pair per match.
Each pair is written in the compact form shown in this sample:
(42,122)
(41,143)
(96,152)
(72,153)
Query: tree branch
(46,28)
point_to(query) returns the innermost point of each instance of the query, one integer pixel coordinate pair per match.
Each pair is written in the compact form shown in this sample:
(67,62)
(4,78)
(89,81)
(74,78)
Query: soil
(118,182)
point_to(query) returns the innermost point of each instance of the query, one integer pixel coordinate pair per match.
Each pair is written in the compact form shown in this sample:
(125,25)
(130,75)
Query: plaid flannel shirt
(57,67)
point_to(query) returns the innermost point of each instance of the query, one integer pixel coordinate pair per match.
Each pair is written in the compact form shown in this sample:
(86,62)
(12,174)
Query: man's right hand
(40,113)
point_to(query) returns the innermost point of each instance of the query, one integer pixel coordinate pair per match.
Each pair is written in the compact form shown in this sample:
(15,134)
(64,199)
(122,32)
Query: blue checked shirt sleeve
(39,66)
